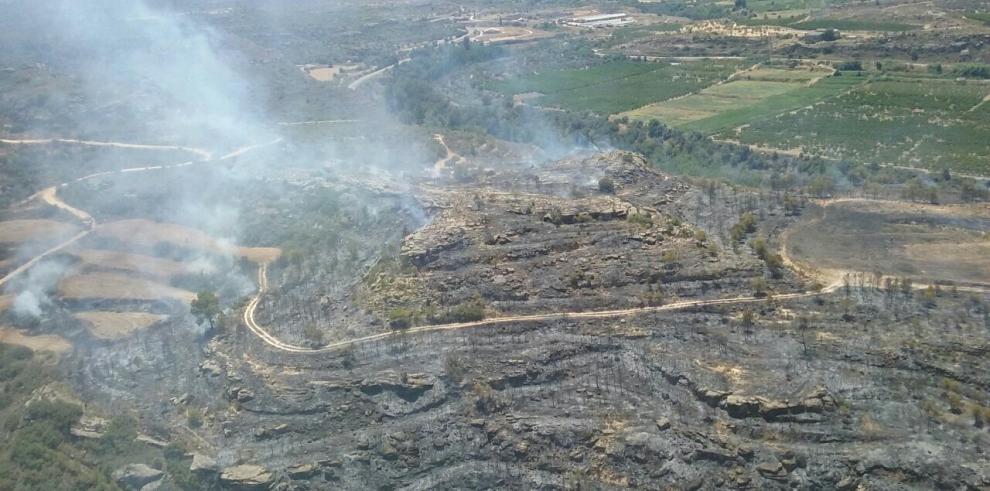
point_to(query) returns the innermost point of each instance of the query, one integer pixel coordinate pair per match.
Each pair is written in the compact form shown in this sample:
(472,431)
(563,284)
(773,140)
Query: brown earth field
(117,286)
(923,242)
(116,325)
(17,231)
(106,260)
(147,234)
(44,342)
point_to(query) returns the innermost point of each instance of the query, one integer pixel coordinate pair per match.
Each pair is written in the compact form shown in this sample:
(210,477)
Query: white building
(601,20)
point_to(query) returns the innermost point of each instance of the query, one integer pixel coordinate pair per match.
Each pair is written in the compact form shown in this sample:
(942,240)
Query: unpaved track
(274,342)
(44,141)
(50,194)
(450,157)
(355,85)
(836,280)
(318,122)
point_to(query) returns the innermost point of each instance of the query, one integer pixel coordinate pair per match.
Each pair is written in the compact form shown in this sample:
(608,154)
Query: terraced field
(619,86)
(755,95)
(916,121)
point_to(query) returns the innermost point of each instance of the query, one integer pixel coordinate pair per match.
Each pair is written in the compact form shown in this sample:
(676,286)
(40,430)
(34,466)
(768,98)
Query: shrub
(759,287)
(400,318)
(849,66)
(60,415)
(455,367)
(972,71)
(484,398)
(640,219)
(745,225)
(194,418)
(313,334)
(471,311)
(606,185)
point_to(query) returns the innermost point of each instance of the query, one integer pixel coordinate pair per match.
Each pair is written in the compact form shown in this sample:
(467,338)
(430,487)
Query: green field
(982,17)
(629,33)
(795,22)
(618,86)
(903,120)
(754,95)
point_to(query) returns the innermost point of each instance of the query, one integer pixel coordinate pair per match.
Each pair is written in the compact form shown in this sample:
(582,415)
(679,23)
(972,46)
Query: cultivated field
(98,286)
(148,235)
(106,260)
(915,120)
(752,95)
(17,231)
(619,86)
(923,242)
(44,342)
(116,325)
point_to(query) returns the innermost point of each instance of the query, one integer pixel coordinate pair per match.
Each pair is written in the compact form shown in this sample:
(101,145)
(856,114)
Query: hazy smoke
(33,287)
(155,69)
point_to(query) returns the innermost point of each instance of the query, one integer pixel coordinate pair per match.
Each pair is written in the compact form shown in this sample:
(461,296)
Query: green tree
(206,308)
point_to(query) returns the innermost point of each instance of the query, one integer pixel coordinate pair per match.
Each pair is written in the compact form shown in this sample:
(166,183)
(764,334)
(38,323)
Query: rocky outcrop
(742,406)
(246,477)
(201,464)
(408,386)
(136,476)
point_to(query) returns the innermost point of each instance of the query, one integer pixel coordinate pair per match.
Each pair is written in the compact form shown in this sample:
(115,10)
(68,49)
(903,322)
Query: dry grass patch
(16,231)
(117,325)
(44,342)
(118,286)
(920,241)
(6,301)
(96,259)
(259,255)
(148,234)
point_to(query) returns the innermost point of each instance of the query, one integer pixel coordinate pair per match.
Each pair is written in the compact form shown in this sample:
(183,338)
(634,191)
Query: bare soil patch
(44,342)
(148,234)
(117,325)
(118,286)
(924,242)
(17,231)
(326,73)
(106,260)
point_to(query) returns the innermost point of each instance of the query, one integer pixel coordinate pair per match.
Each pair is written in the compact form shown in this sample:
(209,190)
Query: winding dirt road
(451,156)
(50,194)
(274,342)
(206,155)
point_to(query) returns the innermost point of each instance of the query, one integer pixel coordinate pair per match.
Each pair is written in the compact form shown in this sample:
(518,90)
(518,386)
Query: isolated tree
(206,308)
(802,324)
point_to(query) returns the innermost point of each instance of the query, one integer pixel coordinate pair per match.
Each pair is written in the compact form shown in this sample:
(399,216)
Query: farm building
(600,21)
